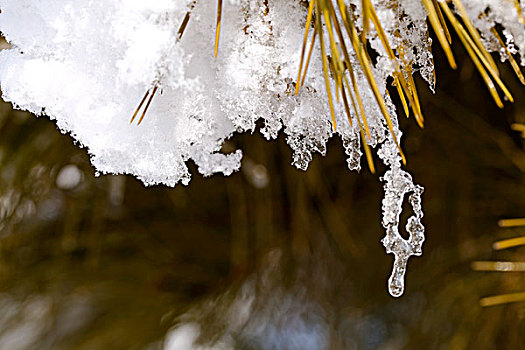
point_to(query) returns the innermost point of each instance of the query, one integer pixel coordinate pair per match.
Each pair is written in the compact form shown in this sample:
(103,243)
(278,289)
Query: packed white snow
(87,65)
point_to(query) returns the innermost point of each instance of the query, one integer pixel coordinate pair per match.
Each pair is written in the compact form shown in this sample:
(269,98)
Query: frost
(87,65)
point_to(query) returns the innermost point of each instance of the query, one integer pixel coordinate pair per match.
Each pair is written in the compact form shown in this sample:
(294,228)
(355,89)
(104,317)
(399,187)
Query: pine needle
(309,56)
(333,47)
(474,34)
(180,32)
(498,266)
(350,70)
(502,299)
(402,97)
(513,62)
(325,62)
(366,66)
(442,21)
(433,17)
(184,24)
(477,58)
(521,17)
(303,50)
(511,222)
(139,107)
(518,127)
(218,27)
(365,14)
(509,243)
(147,105)
(402,86)
(368,152)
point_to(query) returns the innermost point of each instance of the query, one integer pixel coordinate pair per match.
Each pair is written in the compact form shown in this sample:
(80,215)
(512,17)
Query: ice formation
(87,64)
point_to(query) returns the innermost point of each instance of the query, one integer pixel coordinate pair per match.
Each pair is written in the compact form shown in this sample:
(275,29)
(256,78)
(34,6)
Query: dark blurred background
(103,263)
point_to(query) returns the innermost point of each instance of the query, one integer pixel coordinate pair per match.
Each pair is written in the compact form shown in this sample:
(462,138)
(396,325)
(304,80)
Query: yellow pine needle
(368,152)
(401,83)
(467,41)
(185,21)
(309,56)
(366,66)
(303,50)
(429,47)
(332,70)
(518,127)
(442,21)
(471,50)
(184,24)
(513,62)
(486,78)
(379,98)
(147,104)
(509,243)
(412,87)
(386,45)
(352,99)
(180,32)
(325,65)
(139,107)
(501,266)
(338,69)
(402,97)
(350,71)
(398,76)
(521,18)
(440,32)
(511,222)
(359,103)
(345,104)
(475,34)
(502,299)
(365,14)
(342,10)
(218,28)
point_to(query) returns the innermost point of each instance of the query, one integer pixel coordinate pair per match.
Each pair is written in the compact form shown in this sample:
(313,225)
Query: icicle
(398,185)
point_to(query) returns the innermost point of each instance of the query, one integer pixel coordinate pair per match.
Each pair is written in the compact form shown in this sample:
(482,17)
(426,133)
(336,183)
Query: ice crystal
(87,64)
